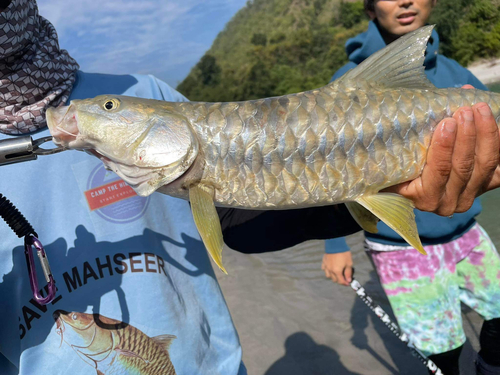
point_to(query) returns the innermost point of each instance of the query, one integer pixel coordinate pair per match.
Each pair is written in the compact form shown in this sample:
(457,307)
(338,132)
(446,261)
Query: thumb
(348,274)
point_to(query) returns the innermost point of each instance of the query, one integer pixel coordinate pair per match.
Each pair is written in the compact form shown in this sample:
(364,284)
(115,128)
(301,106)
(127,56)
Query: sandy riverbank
(291,320)
(487,71)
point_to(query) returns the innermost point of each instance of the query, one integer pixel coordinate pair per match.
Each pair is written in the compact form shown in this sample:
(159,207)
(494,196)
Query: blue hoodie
(442,72)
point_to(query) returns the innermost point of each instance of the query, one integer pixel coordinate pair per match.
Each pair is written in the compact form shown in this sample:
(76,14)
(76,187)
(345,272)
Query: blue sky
(161,37)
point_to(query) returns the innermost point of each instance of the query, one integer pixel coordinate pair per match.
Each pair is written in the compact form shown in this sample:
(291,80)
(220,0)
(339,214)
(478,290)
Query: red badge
(107,194)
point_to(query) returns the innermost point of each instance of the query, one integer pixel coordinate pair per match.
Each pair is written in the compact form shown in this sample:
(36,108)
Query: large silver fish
(344,142)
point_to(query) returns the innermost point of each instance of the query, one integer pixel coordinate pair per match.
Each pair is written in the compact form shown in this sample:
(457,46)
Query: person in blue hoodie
(462,262)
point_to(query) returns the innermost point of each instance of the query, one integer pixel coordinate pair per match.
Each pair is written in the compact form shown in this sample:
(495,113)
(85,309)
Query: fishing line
(385,318)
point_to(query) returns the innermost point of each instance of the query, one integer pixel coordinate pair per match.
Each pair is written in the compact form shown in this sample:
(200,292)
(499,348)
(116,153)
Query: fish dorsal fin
(164,340)
(400,64)
(363,217)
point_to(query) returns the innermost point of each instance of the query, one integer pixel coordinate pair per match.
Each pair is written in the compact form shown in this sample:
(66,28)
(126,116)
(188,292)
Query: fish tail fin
(164,340)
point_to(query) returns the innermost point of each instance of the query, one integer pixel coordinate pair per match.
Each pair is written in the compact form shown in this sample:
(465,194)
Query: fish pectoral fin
(128,353)
(400,64)
(363,217)
(164,340)
(207,221)
(397,212)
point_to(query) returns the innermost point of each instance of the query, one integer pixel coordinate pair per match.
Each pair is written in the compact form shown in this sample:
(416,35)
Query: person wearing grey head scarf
(34,72)
(154,305)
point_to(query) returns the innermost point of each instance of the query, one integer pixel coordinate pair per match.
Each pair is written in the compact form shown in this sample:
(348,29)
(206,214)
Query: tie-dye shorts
(425,291)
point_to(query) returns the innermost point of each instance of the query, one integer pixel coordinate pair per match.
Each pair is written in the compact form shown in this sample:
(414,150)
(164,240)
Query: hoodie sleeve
(451,74)
(166,91)
(336,246)
(252,231)
(472,80)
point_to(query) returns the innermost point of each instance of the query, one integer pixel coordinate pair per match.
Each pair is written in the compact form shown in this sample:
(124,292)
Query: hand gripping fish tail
(341,143)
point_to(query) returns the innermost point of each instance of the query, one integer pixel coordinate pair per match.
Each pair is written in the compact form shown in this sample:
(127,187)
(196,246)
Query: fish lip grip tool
(24,148)
(16,150)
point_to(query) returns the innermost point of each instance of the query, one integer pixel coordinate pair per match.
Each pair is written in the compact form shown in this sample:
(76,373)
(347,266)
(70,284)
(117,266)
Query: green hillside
(275,47)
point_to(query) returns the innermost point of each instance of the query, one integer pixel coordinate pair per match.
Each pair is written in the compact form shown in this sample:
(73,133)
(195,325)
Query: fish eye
(110,104)
(74,316)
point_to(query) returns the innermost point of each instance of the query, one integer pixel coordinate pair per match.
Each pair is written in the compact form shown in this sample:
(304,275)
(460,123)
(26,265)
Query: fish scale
(150,358)
(264,164)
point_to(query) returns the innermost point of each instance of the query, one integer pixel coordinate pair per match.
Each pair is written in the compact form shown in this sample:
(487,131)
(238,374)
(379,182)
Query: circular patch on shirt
(112,199)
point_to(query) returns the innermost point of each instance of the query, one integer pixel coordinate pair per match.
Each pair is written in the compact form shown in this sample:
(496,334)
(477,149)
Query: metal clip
(16,149)
(37,150)
(30,241)
(24,148)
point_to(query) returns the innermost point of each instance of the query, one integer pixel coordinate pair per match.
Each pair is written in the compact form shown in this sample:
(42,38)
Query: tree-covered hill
(275,47)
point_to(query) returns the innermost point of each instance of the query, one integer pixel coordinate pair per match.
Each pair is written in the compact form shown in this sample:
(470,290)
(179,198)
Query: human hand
(462,163)
(338,267)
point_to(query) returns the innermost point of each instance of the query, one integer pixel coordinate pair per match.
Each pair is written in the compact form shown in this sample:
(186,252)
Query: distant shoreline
(487,72)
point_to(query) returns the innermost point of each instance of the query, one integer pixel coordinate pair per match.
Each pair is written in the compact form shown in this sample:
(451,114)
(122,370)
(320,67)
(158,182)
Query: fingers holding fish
(495,180)
(462,164)
(428,190)
(438,169)
(486,159)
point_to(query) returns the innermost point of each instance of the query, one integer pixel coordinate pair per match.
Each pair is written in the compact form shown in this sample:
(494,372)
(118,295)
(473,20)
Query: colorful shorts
(425,291)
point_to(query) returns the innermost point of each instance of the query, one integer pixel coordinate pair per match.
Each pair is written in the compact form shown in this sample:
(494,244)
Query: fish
(341,143)
(112,347)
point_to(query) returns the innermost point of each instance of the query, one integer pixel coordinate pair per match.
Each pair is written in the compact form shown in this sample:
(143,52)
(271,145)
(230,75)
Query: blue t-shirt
(116,257)
(442,72)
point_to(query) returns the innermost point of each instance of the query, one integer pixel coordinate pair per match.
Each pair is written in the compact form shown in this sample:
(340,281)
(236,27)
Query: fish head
(148,143)
(76,329)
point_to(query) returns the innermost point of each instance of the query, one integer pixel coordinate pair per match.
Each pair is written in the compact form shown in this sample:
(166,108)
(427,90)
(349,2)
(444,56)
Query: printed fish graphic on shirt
(113,347)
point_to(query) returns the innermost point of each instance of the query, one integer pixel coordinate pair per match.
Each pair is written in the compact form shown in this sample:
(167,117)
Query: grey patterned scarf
(34,72)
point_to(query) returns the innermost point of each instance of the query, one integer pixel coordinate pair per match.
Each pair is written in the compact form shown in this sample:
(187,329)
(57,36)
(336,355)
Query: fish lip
(63,126)
(57,314)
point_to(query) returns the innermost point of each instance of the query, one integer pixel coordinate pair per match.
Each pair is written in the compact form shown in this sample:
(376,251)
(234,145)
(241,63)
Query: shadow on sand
(304,357)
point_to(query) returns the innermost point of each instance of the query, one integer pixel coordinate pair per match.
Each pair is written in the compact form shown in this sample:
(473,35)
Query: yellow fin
(397,212)
(363,217)
(207,221)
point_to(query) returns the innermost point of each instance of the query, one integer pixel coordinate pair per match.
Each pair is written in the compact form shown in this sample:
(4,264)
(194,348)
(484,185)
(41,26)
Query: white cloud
(131,36)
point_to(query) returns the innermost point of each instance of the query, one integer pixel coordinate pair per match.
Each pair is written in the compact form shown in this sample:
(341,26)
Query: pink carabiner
(30,241)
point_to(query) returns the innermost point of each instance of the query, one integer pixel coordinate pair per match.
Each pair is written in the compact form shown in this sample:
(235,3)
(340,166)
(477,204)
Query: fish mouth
(59,324)
(63,124)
